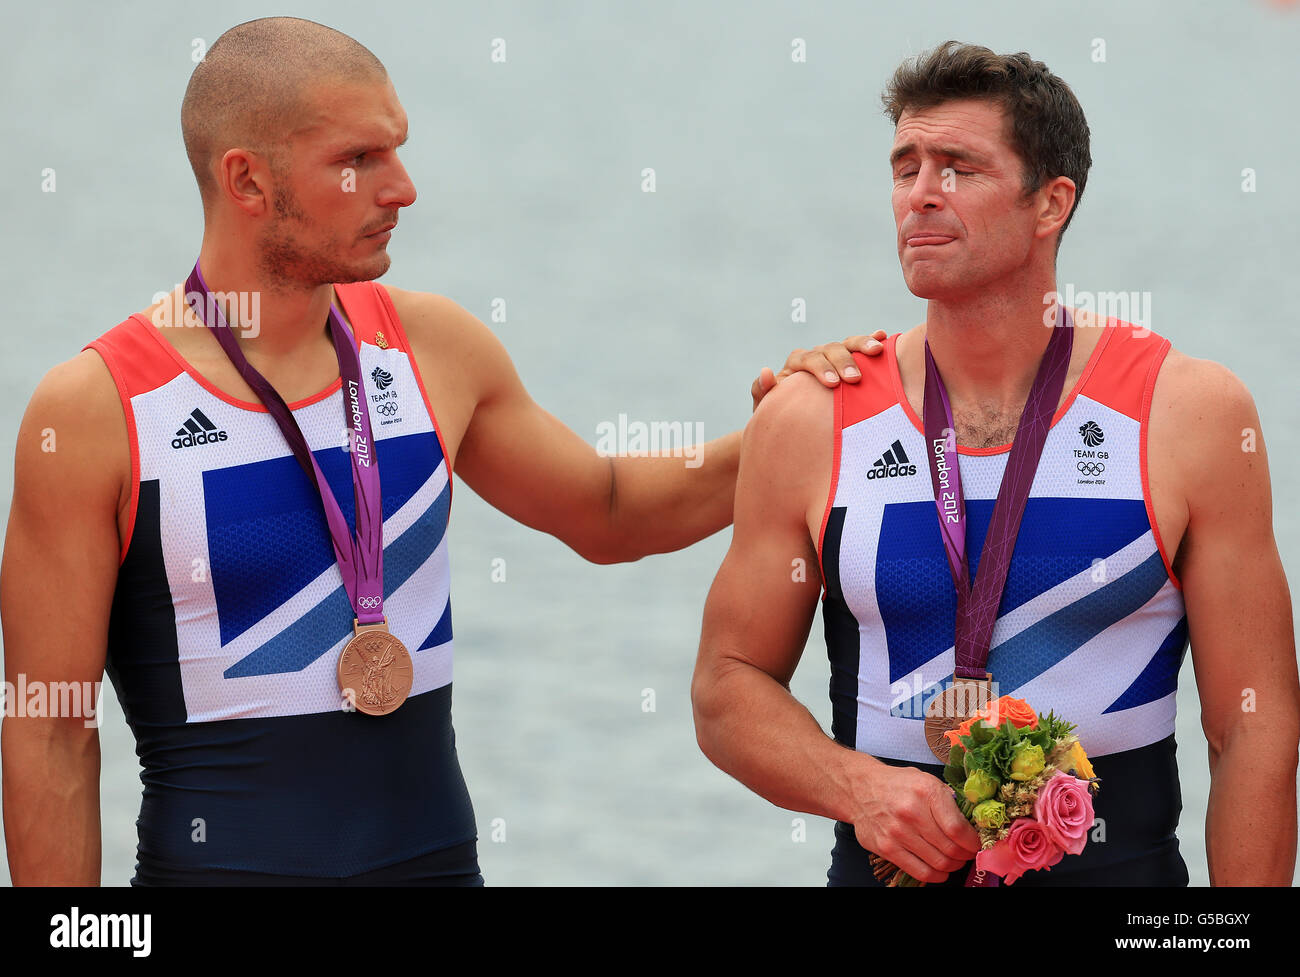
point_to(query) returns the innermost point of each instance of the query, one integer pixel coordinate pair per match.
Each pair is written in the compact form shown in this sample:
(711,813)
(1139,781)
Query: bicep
(1235,590)
(760,606)
(519,457)
(763,599)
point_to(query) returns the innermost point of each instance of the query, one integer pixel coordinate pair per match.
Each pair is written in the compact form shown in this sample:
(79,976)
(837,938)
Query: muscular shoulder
(79,394)
(73,437)
(788,444)
(1201,392)
(441,331)
(800,405)
(1202,411)
(436,319)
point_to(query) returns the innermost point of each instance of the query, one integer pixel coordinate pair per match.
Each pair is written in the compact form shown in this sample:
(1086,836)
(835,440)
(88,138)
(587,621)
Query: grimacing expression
(961,213)
(338,182)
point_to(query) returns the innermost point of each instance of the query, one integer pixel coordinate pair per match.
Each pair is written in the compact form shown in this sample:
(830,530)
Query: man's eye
(357,160)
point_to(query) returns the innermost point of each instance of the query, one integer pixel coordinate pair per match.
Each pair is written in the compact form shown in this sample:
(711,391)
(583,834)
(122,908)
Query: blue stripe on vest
(441,632)
(1160,677)
(267,535)
(313,634)
(1058,539)
(1041,645)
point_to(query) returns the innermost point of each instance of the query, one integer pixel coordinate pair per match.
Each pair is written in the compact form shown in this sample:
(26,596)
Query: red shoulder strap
(1125,371)
(135,356)
(370,310)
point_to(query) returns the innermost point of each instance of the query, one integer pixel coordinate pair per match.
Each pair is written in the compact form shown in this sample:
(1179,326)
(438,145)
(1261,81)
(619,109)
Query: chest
(985,427)
(993,426)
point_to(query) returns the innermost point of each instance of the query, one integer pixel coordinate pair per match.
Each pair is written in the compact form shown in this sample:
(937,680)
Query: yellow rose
(1079,761)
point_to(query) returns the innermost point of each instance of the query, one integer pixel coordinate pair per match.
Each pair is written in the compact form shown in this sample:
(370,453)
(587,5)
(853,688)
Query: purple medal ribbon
(977,606)
(360,558)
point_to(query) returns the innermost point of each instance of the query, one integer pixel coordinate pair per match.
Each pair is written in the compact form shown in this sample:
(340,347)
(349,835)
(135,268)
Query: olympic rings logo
(1091,467)
(388,409)
(369,602)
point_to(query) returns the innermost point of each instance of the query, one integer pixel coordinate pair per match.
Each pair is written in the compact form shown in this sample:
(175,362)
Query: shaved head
(251,91)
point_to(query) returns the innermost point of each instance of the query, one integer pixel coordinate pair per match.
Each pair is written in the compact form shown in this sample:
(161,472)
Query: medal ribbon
(360,557)
(977,606)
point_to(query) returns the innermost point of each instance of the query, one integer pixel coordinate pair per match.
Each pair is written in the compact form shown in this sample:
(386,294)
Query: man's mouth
(926,240)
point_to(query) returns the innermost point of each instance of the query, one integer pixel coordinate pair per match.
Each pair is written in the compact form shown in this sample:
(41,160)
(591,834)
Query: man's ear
(1056,204)
(243,178)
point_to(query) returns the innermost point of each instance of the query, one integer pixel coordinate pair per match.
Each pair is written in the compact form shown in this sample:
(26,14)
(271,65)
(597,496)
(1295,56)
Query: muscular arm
(758,613)
(756,621)
(56,588)
(1242,636)
(525,462)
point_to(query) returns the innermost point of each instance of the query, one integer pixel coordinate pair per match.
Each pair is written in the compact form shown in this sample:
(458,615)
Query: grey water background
(772,184)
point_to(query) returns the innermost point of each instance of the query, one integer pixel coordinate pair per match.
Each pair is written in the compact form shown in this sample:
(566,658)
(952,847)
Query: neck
(988,347)
(287,318)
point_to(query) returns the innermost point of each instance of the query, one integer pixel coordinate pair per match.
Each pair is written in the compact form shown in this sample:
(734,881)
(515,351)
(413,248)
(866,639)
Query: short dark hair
(250,87)
(1047,128)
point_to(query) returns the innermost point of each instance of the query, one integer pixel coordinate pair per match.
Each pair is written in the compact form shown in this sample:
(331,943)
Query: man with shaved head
(244,520)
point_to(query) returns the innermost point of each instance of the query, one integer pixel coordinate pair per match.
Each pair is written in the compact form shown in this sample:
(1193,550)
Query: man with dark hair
(1101,537)
(214,517)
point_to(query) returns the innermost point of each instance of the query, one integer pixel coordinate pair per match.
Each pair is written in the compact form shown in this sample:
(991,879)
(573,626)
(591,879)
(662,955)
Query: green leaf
(954,771)
(1041,739)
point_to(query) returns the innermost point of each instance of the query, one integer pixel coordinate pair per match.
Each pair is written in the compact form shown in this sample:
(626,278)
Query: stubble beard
(286,263)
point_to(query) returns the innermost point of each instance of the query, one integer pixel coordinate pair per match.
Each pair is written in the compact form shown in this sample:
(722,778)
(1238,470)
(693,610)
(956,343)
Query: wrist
(854,776)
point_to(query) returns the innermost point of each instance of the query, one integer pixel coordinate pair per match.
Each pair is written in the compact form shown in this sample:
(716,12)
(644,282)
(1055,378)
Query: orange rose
(954,735)
(1017,710)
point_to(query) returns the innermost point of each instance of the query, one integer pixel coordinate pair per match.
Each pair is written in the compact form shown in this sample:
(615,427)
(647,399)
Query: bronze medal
(375,671)
(952,707)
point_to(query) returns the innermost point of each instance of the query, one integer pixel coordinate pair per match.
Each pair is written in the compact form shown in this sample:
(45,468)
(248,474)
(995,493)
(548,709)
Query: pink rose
(1064,809)
(1026,849)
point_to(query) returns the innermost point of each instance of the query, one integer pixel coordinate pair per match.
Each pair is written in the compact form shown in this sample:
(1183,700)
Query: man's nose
(399,190)
(928,188)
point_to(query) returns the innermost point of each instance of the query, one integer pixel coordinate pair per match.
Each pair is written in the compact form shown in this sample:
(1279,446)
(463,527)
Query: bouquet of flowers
(1024,783)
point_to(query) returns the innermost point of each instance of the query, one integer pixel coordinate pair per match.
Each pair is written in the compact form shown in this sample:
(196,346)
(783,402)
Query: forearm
(1250,822)
(662,504)
(51,801)
(752,728)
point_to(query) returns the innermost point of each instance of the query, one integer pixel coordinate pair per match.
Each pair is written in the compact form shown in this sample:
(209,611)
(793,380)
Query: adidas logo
(197,429)
(893,463)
